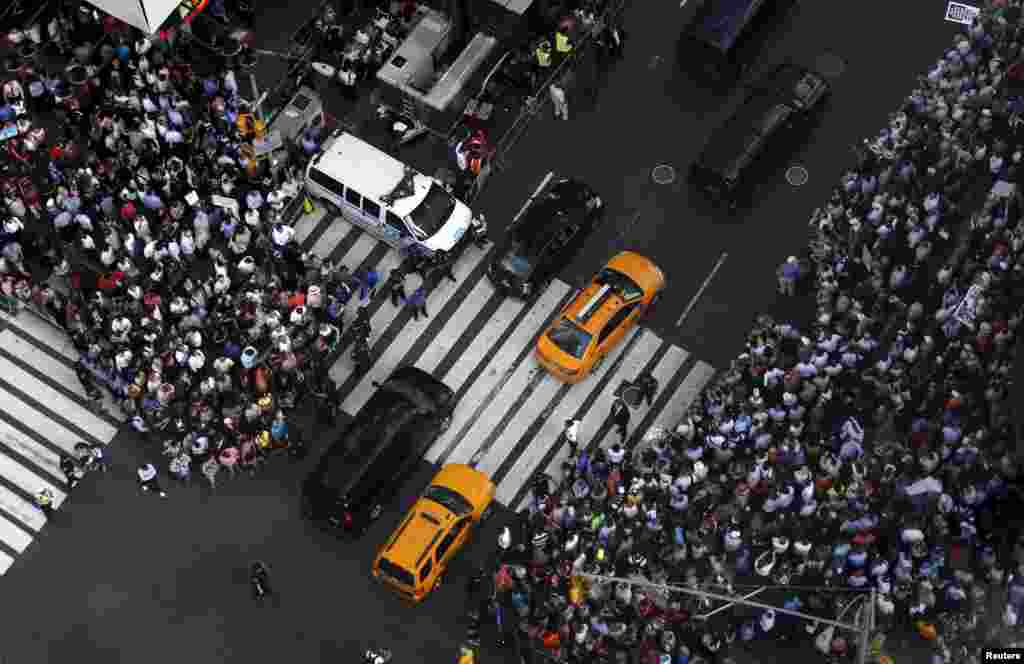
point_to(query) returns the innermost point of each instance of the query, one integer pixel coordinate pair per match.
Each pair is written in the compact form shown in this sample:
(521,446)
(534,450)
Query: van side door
(360,209)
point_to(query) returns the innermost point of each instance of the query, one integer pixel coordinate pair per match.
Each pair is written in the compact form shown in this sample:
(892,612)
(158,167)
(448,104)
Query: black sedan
(546,238)
(363,469)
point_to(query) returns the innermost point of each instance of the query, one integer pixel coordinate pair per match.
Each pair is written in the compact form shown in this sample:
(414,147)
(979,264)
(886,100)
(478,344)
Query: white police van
(386,198)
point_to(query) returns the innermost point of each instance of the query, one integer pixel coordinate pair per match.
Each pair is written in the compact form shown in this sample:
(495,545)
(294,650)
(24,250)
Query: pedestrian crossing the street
(510,412)
(43,412)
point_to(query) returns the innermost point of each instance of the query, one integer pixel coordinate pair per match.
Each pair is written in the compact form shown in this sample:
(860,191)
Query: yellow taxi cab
(599,317)
(415,557)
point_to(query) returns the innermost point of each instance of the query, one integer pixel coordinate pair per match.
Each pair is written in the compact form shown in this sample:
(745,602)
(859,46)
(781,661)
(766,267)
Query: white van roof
(370,171)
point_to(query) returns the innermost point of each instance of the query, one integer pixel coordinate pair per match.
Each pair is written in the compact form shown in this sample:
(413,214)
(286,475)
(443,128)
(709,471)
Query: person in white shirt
(148,480)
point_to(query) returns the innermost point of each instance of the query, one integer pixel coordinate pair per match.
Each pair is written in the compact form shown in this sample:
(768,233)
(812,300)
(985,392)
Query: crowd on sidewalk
(170,260)
(873,450)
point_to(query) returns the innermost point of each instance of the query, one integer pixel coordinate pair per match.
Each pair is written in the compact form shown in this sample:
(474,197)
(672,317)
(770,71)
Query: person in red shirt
(110,280)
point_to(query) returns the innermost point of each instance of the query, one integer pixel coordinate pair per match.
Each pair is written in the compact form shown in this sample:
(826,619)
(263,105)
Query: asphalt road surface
(124,577)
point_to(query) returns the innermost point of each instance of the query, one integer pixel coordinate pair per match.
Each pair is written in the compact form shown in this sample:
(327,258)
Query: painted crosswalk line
(43,413)
(510,413)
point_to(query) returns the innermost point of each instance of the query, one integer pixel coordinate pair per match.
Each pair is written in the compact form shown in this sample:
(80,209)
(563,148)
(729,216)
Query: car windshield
(431,214)
(570,338)
(516,261)
(453,501)
(623,286)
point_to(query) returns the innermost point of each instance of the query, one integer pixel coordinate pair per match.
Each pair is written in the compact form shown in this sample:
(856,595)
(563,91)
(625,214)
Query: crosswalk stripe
(43,424)
(26,480)
(483,342)
(20,509)
(523,384)
(665,367)
(338,229)
(5,563)
(58,368)
(307,223)
(456,324)
(549,457)
(514,469)
(359,251)
(538,401)
(389,359)
(681,399)
(316,229)
(33,326)
(13,536)
(34,452)
(500,367)
(59,402)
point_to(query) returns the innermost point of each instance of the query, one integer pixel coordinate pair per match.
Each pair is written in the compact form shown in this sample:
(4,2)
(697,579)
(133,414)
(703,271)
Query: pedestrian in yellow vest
(541,63)
(563,40)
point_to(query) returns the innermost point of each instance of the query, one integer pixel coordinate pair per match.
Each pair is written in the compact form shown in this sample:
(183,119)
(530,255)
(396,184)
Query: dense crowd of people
(870,450)
(183,288)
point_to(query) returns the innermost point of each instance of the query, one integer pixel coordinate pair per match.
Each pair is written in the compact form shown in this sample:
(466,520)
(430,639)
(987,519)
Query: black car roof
(537,230)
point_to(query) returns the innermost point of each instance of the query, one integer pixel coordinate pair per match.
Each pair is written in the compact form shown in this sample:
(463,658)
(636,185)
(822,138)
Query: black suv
(363,469)
(546,238)
(780,102)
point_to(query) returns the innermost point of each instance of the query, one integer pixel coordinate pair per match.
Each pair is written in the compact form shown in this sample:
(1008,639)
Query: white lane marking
(406,339)
(453,328)
(38,422)
(479,347)
(532,198)
(355,256)
(41,456)
(307,223)
(26,480)
(527,414)
(642,353)
(21,509)
(703,287)
(667,367)
(466,452)
(56,402)
(501,360)
(53,368)
(527,463)
(5,563)
(331,237)
(13,536)
(33,326)
(684,395)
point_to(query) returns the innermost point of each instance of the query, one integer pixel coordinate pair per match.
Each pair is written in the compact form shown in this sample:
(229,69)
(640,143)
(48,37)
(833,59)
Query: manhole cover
(829,65)
(632,396)
(796,175)
(663,174)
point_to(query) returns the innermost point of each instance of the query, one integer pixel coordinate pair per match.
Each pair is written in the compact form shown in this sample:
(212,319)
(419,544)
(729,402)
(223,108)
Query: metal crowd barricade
(538,98)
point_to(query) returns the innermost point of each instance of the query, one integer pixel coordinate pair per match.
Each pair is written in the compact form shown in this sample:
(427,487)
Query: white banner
(957,12)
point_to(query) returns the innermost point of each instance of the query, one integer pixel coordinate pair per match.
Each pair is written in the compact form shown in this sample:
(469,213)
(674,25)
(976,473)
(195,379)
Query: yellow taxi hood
(640,269)
(473,485)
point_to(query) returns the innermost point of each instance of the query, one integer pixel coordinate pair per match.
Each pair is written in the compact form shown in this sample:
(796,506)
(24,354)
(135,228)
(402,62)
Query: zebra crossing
(43,412)
(510,412)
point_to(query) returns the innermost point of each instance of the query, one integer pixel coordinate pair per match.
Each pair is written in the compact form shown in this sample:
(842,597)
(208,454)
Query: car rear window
(453,501)
(392,570)
(570,338)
